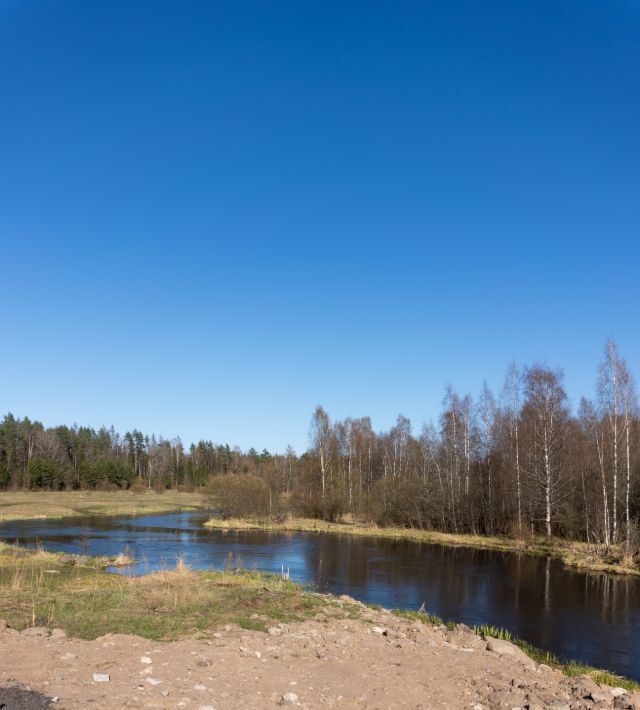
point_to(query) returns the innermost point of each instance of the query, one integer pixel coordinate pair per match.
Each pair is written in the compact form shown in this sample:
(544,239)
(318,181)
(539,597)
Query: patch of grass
(37,590)
(23,505)
(493,632)
(423,616)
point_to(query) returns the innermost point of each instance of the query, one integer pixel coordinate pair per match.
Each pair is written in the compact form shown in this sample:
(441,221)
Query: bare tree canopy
(521,463)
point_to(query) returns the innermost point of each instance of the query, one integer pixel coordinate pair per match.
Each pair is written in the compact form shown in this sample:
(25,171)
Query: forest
(519,462)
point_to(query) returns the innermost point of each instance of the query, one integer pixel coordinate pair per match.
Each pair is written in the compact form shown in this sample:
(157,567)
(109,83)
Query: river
(589,617)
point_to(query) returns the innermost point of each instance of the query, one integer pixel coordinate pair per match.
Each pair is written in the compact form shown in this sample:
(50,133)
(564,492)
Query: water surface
(594,618)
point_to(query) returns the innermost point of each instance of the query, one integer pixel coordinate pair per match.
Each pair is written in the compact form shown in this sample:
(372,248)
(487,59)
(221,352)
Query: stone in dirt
(380,630)
(291,698)
(101,677)
(506,648)
(599,696)
(359,669)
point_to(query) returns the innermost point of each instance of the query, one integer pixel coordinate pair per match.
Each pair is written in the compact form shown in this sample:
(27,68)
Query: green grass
(424,617)
(37,590)
(493,632)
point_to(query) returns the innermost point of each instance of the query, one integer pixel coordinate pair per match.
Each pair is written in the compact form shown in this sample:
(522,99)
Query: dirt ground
(379,661)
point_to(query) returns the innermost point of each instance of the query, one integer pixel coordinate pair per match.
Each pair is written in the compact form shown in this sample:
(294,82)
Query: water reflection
(591,617)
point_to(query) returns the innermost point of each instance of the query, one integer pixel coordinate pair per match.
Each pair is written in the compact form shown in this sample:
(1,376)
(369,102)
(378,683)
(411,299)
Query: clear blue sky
(215,215)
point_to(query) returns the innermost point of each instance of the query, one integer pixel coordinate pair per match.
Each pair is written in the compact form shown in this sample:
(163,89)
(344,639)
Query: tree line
(518,462)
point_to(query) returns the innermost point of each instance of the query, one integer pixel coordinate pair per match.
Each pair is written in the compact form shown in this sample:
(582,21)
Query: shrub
(237,496)
(401,501)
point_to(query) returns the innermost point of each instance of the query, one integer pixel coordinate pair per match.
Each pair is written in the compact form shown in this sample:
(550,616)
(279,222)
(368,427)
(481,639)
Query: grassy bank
(574,554)
(23,505)
(38,589)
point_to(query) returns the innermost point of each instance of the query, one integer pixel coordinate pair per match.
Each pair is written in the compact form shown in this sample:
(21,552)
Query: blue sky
(214,216)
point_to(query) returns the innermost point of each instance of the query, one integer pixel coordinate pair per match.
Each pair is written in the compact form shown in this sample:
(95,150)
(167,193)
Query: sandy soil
(381,662)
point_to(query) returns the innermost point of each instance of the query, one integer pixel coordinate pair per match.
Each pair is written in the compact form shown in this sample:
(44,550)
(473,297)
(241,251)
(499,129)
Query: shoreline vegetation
(45,589)
(31,505)
(576,554)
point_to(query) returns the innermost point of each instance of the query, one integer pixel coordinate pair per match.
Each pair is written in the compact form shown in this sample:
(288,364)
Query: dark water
(594,618)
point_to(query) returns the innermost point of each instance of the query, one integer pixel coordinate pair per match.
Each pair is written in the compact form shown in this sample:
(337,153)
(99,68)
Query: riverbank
(238,639)
(574,554)
(40,590)
(27,505)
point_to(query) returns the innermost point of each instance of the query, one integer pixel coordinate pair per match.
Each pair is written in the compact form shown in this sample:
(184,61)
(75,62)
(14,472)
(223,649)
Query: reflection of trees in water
(534,594)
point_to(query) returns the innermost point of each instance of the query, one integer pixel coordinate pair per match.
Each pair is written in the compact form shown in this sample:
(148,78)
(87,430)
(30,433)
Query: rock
(145,659)
(101,677)
(584,687)
(291,698)
(380,630)
(598,696)
(506,648)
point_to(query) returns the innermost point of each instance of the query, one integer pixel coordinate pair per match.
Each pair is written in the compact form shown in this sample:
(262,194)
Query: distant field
(16,505)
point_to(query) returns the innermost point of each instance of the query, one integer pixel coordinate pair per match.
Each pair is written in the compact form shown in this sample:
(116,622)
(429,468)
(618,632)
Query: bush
(237,496)
(139,486)
(401,502)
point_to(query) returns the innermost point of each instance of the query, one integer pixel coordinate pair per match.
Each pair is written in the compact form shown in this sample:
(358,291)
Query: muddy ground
(377,661)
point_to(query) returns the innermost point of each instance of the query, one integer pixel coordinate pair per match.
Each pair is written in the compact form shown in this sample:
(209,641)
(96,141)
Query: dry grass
(16,505)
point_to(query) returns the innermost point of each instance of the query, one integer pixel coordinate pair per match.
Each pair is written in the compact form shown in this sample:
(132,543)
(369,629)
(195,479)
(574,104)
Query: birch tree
(547,408)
